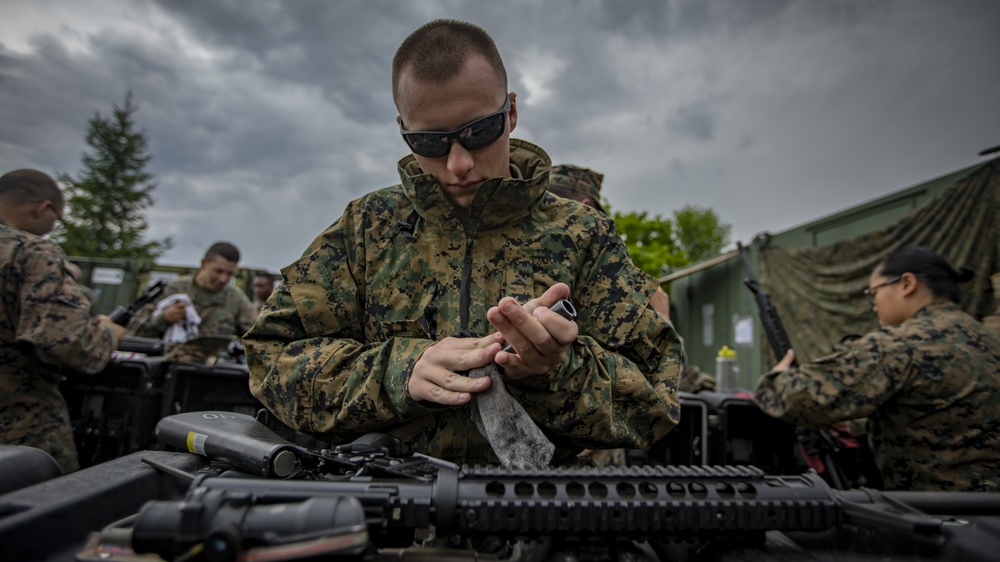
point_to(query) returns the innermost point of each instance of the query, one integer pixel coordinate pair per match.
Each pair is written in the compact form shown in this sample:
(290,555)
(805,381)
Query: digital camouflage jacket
(227,312)
(331,352)
(930,388)
(45,326)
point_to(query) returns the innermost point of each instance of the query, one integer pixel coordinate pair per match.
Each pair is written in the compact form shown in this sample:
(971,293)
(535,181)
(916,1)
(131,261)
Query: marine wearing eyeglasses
(45,321)
(928,381)
(415,284)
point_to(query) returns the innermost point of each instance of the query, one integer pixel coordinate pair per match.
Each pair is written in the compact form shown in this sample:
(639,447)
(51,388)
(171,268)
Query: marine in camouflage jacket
(227,312)
(333,348)
(45,326)
(930,388)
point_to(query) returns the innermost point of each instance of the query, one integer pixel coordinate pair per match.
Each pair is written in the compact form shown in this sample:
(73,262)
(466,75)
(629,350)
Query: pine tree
(105,206)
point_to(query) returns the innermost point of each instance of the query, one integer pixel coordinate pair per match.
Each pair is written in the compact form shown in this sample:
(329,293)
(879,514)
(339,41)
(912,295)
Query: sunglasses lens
(482,133)
(429,145)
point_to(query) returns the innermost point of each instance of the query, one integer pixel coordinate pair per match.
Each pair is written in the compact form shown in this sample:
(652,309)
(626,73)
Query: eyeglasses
(870,291)
(52,206)
(475,135)
(58,214)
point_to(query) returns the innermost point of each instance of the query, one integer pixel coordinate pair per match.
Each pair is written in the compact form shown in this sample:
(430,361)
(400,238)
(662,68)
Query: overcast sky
(264,118)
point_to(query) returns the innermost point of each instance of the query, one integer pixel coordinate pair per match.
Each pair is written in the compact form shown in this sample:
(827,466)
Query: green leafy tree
(700,233)
(659,245)
(650,240)
(106,203)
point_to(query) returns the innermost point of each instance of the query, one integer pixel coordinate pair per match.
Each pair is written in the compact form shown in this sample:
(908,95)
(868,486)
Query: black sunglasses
(473,136)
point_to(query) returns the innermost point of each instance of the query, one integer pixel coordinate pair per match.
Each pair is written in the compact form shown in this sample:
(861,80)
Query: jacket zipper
(465,297)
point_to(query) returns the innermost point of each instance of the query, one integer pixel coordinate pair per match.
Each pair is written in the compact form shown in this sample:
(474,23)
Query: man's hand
(173,313)
(785,363)
(107,322)
(661,302)
(538,335)
(436,377)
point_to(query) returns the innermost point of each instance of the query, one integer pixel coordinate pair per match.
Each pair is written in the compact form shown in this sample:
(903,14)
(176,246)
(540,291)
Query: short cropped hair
(224,250)
(28,186)
(436,51)
(266,275)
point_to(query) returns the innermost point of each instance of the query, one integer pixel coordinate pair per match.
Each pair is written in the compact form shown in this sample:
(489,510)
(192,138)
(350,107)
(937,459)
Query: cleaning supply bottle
(726,370)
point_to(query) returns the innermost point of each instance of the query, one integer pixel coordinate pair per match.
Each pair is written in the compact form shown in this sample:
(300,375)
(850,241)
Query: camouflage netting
(818,291)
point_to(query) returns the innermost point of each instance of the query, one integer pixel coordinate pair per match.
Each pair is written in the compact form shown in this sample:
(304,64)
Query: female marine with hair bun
(928,381)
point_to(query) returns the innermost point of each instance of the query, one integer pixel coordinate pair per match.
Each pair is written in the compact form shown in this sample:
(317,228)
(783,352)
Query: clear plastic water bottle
(726,370)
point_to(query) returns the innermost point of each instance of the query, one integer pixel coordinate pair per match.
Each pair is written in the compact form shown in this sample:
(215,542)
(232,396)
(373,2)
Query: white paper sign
(708,324)
(743,326)
(107,276)
(167,276)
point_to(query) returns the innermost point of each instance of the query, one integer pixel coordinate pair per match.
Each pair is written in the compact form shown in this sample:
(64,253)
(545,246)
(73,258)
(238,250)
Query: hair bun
(962,274)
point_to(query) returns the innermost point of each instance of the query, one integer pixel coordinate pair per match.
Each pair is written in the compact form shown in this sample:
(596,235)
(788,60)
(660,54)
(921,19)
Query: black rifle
(349,503)
(122,316)
(773,328)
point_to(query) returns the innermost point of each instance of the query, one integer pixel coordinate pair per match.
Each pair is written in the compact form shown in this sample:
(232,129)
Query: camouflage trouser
(48,430)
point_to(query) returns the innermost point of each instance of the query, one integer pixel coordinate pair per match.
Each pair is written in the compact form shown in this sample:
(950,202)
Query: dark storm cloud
(199,142)
(33,104)
(345,48)
(647,16)
(695,121)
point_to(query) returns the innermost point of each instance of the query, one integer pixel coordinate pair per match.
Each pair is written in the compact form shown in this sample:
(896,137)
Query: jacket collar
(938,305)
(497,202)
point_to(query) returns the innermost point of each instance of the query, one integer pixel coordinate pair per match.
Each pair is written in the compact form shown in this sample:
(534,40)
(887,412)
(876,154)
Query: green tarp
(818,291)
